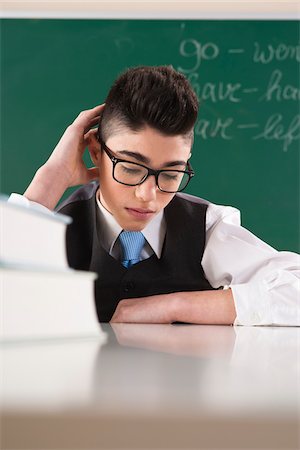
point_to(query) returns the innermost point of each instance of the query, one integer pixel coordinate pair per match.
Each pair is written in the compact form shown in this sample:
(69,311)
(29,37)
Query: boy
(184,259)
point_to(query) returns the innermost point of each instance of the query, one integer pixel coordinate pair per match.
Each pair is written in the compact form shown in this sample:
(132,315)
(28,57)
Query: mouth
(140,213)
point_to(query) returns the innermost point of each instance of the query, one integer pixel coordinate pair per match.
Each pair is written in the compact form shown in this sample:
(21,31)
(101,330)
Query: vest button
(129,286)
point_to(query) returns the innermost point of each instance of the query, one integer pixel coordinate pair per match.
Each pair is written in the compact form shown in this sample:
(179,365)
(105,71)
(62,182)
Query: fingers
(91,137)
(92,123)
(90,133)
(95,120)
(93,112)
(89,118)
(97,108)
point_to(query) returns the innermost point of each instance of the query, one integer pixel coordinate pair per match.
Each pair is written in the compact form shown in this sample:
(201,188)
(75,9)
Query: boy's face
(134,206)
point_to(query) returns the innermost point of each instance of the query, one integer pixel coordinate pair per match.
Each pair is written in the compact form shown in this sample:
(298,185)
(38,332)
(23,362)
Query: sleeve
(265,283)
(19,199)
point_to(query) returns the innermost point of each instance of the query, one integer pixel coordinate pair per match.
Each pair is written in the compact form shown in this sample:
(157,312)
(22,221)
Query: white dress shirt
(265,283)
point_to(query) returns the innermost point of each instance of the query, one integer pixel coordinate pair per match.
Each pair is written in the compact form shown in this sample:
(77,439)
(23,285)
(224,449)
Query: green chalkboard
(246,74)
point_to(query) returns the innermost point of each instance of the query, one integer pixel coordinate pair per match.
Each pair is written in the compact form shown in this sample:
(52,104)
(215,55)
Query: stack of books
(40,296)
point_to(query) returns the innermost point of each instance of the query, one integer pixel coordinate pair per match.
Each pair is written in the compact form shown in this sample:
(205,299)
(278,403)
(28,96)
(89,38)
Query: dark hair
(157,96)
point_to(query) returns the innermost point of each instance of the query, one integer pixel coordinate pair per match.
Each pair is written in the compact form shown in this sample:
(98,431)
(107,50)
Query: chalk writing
(273,87)
(215,91)
(275,130)
(236,50)
(250,90)
(276,90)
(215,128)
(191,48)
(281,52)
(248,125)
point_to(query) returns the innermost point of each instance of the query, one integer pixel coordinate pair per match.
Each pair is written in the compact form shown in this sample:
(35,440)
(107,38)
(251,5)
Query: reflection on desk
(154,386)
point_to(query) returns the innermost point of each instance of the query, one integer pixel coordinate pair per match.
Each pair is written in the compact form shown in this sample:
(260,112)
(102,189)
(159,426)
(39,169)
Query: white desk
(154,386)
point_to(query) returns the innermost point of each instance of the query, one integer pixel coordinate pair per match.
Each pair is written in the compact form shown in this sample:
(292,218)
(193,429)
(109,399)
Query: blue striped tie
(132,243)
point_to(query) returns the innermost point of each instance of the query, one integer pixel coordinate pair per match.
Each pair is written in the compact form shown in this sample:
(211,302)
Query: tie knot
(132,243)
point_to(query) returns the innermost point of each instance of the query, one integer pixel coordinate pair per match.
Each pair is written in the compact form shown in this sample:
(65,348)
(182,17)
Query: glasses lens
(129,173)
(172,181)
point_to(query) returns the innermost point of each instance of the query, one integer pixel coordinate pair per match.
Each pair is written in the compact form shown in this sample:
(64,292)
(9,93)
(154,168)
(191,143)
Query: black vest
(179,268)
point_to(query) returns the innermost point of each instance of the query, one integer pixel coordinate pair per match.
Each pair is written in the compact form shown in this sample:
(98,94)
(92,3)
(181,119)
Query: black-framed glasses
(132,174)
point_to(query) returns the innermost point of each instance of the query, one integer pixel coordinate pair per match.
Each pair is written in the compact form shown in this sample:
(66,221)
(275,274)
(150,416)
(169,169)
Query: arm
(265,283)
(205,307)
(65,167)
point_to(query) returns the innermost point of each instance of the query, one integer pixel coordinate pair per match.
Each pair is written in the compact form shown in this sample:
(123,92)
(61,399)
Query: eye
(131,169)
(170,176)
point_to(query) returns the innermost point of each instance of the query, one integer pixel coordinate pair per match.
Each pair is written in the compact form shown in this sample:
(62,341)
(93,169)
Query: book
(32,237)
(45,304)
(41,297)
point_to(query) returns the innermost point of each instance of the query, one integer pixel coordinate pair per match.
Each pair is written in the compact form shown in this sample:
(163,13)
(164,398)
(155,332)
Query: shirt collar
(154,231)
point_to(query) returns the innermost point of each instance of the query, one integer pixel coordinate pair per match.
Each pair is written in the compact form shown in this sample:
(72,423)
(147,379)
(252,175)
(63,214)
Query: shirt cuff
(251,305)
(18,199)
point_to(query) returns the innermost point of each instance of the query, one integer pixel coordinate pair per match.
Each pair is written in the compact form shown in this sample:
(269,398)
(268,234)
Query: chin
(133,227)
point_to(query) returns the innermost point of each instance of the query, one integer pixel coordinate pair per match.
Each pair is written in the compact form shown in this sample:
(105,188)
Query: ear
(94,148)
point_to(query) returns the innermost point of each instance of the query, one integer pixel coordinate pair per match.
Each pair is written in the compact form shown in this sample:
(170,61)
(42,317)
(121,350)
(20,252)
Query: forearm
(47,186)
(205,307)
(214,307)
(66,167)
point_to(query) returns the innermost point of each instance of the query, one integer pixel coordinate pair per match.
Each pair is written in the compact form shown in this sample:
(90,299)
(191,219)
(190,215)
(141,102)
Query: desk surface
(154,386)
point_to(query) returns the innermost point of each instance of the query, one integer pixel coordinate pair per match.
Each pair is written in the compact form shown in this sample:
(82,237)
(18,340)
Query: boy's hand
(65,167)
(152,309)
(67,157)
(215,307)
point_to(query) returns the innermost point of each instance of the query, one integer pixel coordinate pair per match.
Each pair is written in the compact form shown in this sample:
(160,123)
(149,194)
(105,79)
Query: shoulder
(81,206)
(215,213)
(79,198)
(193,199)
(189,204)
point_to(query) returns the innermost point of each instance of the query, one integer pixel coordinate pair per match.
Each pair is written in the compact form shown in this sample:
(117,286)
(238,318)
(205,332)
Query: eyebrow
(146,160)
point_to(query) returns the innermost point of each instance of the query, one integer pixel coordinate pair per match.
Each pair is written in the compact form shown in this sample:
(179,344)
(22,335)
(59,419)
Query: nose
(147,190)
